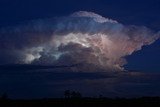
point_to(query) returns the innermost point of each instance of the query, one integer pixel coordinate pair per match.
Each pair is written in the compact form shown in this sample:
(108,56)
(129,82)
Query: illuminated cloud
(85,38)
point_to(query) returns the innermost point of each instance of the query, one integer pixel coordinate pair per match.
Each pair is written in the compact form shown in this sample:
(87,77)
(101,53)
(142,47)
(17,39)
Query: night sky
(127,65)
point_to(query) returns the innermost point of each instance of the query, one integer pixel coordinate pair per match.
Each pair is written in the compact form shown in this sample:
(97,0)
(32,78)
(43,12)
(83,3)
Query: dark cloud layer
(47,83)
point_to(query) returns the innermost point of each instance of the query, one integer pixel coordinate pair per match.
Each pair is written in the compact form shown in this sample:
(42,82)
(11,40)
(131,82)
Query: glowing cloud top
(83,38)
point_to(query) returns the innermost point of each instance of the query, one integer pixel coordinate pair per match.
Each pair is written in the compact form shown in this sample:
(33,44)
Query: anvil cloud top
(84,38)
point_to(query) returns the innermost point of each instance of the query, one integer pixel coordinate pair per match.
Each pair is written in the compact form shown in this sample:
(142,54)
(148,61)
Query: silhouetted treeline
(83,102)
(72,94)
(75,99)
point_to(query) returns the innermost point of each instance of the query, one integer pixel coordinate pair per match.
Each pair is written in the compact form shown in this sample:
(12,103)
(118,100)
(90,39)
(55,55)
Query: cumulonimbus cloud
(83,38)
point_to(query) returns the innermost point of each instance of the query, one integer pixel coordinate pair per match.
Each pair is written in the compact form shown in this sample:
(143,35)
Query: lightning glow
(81,38)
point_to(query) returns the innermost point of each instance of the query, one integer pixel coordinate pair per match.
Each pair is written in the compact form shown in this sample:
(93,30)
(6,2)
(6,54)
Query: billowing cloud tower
(84,38)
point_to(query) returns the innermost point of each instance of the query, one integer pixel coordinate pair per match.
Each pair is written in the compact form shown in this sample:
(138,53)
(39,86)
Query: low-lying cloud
(85,38)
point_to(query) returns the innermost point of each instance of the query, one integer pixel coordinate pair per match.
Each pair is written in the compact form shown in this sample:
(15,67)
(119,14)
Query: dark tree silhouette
(76,95)
(4,96)
(72,94)
(100,96)
(67,94)
(79,95)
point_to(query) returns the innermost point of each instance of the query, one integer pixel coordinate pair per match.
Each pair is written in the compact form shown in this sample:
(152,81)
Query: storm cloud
(85,38)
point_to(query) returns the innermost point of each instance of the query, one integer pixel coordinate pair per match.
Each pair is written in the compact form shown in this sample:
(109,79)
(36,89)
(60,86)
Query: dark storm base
(83,102)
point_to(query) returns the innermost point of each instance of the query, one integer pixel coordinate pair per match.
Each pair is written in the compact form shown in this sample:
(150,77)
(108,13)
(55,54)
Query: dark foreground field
(83,102)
